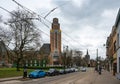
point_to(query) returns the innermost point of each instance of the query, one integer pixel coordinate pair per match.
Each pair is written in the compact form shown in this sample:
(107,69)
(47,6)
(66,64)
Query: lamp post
(97,59)
(108,57)
(65,50)
(64,58)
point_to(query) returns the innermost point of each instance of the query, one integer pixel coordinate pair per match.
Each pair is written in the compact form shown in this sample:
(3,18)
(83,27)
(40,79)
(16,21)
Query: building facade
(112,50)
(114,60)
(77,58)
(117,25)
(55,42)
(113,47)
(109,52)
(5,58)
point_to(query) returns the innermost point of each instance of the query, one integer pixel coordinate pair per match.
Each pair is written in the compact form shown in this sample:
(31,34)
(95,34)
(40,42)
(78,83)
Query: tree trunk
(18,64)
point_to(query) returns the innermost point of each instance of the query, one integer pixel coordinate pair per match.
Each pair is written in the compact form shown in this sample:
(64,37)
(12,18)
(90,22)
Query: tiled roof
(45,48)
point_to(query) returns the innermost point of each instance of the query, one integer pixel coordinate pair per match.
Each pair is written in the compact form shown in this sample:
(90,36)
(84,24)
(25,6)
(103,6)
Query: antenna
(53,10)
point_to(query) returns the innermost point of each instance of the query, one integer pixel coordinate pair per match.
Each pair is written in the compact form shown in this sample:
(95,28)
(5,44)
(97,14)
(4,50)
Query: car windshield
(36,71)
(51,69)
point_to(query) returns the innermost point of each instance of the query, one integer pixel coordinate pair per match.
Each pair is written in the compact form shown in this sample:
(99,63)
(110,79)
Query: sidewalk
(106,78)
(11,78)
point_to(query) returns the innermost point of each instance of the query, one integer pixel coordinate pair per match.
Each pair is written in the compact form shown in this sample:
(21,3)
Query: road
(89,77)
(70,78)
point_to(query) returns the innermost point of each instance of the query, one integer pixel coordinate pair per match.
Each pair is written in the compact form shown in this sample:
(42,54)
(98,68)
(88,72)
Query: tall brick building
(55,42)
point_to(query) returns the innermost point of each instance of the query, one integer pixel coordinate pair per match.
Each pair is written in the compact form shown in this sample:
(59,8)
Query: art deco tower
(55,41)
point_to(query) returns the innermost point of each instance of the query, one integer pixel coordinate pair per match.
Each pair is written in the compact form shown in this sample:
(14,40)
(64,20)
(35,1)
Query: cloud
(89,9)
(87,23)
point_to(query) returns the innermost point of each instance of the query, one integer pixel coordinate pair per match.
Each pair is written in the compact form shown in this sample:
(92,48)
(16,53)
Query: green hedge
(44,68)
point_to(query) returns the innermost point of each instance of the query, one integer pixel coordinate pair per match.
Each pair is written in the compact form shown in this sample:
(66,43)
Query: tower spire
(87,57)
(87,52)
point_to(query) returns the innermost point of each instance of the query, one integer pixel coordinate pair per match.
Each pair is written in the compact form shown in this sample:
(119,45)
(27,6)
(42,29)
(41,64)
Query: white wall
(118,51)
(118,55)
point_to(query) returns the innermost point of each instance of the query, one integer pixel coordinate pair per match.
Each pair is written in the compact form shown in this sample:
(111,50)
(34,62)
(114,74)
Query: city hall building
(50,53)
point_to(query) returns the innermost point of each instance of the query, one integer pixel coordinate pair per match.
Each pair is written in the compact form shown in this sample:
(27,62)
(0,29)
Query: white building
(117,25)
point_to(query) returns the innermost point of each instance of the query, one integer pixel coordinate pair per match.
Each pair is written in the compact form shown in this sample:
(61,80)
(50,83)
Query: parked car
(61,71)
(76,70)
(67,70)
(83,69)
(37,74)
(72,69)
(52,72)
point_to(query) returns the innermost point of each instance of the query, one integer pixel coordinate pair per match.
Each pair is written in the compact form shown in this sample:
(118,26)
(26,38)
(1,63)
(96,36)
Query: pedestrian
(25,72)
(96,69)
(100,69)
(114,68)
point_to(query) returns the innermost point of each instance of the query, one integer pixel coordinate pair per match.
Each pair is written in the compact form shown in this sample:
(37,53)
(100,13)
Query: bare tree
(5,34)
(5,38)
(77,59)
(25,36)
(69,59)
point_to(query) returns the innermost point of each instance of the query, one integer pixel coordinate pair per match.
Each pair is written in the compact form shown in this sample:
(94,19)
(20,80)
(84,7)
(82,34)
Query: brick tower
(55,41)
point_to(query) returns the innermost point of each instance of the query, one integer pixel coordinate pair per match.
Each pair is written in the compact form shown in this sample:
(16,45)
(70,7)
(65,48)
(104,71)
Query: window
(56,40)
(56,57)
(56,62)
(115,46)
(117,41)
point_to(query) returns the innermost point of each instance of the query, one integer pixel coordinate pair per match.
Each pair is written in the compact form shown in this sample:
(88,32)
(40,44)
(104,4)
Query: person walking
(100,70)
(25,72)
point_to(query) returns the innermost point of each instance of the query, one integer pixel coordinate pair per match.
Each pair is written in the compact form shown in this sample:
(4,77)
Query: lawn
(11,72)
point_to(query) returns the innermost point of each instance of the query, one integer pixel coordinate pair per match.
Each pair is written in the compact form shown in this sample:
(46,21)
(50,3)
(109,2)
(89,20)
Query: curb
(9,79)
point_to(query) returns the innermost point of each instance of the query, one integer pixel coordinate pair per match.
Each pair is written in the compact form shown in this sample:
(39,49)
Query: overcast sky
(85,24)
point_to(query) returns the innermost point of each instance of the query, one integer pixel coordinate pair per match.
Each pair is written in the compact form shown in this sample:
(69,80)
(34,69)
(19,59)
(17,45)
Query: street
(89,77)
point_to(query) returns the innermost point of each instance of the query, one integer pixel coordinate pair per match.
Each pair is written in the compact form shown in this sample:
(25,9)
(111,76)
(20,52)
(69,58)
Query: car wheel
(30,76)
(37,76)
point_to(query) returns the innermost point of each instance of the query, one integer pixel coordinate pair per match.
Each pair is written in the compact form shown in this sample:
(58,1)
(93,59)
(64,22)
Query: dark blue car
(52,72)
(37,74)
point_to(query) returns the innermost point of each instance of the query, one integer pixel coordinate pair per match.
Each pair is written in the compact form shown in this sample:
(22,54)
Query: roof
(117,18)
(3,48)
(45,48)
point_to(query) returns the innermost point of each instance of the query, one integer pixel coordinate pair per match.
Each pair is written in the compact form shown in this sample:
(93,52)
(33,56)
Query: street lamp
(97,58)
(107,58)
(65,49)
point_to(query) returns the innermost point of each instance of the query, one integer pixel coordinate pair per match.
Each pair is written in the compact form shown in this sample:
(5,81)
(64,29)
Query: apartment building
(113,47)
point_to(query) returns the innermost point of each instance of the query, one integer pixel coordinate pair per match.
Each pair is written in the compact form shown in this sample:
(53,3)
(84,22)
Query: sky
(85,24)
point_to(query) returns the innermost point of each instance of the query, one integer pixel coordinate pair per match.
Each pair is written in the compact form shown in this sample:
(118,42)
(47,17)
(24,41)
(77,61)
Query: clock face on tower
(55,24)
(55,20)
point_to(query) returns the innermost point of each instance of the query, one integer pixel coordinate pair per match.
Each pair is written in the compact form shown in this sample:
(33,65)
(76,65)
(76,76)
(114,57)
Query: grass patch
(11,72)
